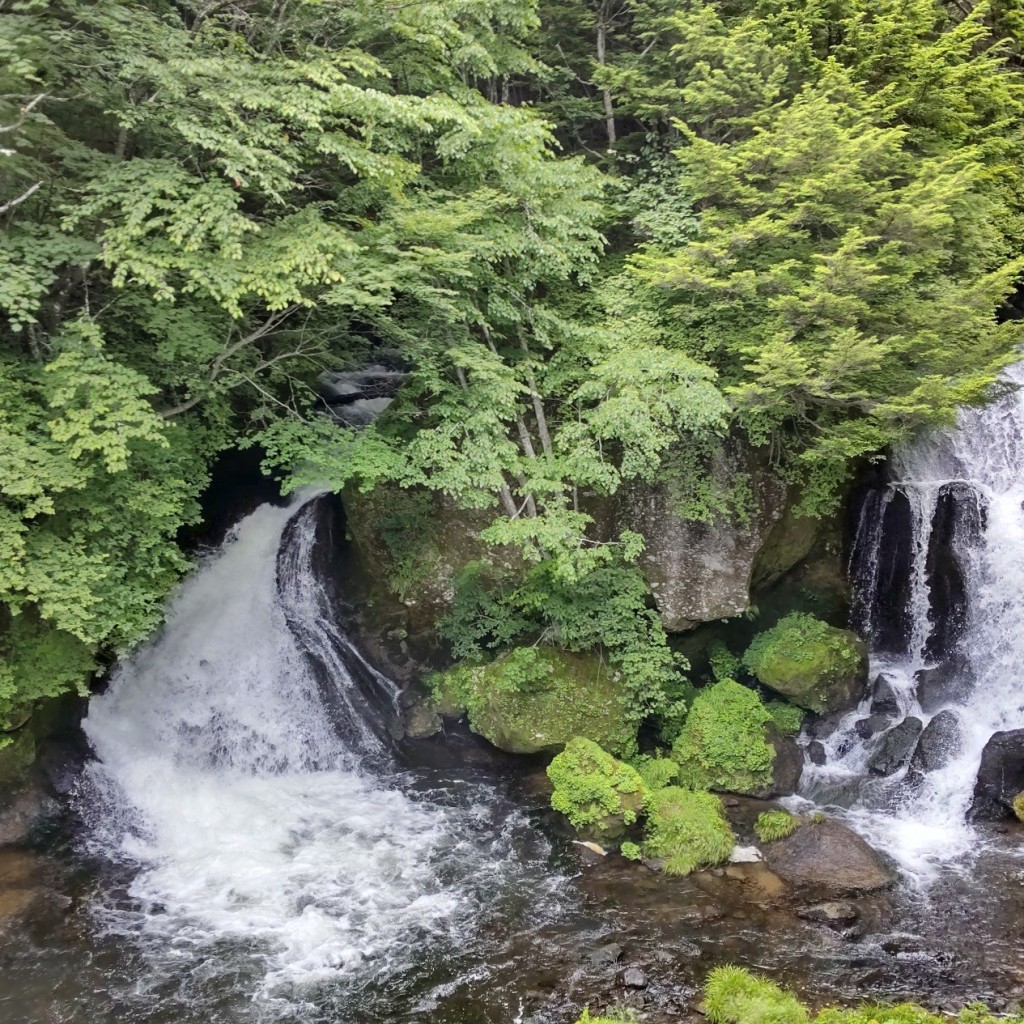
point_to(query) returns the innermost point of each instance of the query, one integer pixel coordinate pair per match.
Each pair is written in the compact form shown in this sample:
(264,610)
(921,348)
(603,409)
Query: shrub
(686,830)
(597,793)
(772,825)
(724,664)
(723,744)
(631,851)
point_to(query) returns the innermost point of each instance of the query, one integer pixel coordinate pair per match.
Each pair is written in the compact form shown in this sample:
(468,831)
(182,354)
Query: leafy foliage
(773,825)
(686,830)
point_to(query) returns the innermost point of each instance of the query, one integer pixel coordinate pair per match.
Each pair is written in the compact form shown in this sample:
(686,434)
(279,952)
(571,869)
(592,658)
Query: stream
(248,843)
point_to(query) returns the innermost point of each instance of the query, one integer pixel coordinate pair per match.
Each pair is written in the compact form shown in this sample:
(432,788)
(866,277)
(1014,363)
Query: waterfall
(244,784)
(940,551)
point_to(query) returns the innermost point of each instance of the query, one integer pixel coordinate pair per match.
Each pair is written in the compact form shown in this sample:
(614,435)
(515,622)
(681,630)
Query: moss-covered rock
(773,825)
(815,665)
(537,698)
(724,743)
(686,830)
(599,794)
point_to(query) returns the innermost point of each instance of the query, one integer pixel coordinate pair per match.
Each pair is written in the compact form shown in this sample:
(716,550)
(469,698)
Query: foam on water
(242,813)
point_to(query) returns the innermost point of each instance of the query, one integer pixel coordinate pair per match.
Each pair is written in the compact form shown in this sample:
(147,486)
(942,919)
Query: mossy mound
(734,996)
(657,772)
(815,665)
(600,795)
(534,699)
(723,745)
(773,825)
(686,830)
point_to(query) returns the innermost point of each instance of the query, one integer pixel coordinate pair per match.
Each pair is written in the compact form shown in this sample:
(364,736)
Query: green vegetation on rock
(732,995)
(538,698)
(686,830)
(600,795)
(815,665)
(773,825)
(787,718)
(723,743)
(656,771)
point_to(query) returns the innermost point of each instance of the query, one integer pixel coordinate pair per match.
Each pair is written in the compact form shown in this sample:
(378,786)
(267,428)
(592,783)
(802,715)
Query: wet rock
(744,855)
(421,721)
(830,859)
(883,696)
(868,727)
(939,743)
(605,956)
(631,977)
(788,766)
(30,809)
(816,752)
(942,684)
(896,747)
(1000,777)
(836,914)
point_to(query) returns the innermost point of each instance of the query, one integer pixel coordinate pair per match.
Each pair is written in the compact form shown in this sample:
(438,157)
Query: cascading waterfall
(245,785)
(961,495)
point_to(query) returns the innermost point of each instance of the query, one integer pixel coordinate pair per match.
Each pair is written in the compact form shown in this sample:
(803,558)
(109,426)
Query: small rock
(868,727)
(421,721)
(606,955)
(31,809)
(895,747)
(883,696)
(816,752)
(744,855)
(835,914)
(1000,776)
(631,977)
(943,684)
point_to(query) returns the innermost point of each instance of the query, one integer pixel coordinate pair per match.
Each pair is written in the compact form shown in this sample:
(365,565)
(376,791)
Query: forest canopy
(600,238)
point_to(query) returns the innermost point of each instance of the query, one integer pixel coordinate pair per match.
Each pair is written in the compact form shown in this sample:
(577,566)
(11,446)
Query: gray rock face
(816,752)
(941,685)
(31,808)
(868,727)
(939,743)
(829,859)
(1000,777)
(699,572)
(836,914)
(788,766)
(896,747)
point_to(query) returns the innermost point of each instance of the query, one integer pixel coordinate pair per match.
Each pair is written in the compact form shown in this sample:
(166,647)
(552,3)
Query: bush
(686,830)
(597,793)
(772,825)
(657,772)
(723,745)
(631,851)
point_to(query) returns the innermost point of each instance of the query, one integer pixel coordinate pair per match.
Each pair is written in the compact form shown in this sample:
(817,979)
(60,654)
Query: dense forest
(602,240)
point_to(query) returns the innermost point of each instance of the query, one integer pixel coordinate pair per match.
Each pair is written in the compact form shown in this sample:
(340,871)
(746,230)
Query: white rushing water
(242,813)
(921,818)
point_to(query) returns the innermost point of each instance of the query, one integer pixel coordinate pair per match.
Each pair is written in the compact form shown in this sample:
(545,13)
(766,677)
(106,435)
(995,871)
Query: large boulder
(829,859)
(939,743)
(815,665)
(1000,777)
(895,748)
(537,699)
(884,699)
(702,571)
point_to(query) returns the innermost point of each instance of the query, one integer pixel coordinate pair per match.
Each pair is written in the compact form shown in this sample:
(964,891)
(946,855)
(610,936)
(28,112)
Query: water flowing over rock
(938,558)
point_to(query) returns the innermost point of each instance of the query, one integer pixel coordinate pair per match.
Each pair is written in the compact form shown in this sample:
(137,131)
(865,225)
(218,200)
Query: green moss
(723,745)
(1018,806)
(686,830)
(814,664)
(788,718)
(631,851)
(615,1015)
(538,698)
(600,795)
(735,996)
(772,825)
(657,772)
